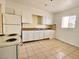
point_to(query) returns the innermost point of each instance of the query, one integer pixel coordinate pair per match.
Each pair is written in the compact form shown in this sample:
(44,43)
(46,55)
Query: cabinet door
(31,35)
(27,17)
(41,34)
(50,33)
(25,36)
(28,35)
(11,19)
(9,29)
(47,20)
(36,35)
(8,52)
(46,34)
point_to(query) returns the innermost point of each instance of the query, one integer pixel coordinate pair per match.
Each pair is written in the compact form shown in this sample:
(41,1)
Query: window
(68,22)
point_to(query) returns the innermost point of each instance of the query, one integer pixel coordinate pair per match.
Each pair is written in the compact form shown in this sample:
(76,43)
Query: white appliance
(11,24)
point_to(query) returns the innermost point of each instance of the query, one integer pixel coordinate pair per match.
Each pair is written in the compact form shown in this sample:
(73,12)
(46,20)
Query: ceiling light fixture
(51,0)
(50,3)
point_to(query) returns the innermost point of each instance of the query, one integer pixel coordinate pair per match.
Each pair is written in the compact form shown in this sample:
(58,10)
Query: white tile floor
(48,49)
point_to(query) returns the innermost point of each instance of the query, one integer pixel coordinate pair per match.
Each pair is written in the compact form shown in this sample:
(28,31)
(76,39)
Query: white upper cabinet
(27,16)
(11,19)
(47,20)
(27,19)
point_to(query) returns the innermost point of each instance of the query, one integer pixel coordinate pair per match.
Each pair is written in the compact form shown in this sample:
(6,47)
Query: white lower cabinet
(31,35)
(41,34)
(37,35)
(46,34)
(52,33)
(27,36)
(8,52)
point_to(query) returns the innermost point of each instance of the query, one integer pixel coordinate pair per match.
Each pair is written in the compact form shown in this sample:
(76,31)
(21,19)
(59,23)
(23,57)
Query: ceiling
(54,6)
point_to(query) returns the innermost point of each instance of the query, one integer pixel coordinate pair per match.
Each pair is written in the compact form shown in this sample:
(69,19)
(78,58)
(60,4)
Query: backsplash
(34,26)
(39,26)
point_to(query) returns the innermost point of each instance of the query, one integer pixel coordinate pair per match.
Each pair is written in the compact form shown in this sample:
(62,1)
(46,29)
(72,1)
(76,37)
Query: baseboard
(67,42)
(36,40)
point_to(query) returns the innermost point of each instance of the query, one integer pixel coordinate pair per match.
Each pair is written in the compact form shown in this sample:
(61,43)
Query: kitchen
(24,29)
(13,29)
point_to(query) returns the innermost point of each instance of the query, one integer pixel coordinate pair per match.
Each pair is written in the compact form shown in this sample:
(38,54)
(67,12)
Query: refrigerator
(11,24)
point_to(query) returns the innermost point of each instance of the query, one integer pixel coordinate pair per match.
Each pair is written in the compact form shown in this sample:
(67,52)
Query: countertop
(37,29)
(53,27)
(3,42)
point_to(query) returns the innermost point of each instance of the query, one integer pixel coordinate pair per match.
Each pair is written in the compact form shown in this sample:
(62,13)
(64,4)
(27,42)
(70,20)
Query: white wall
(70,36)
